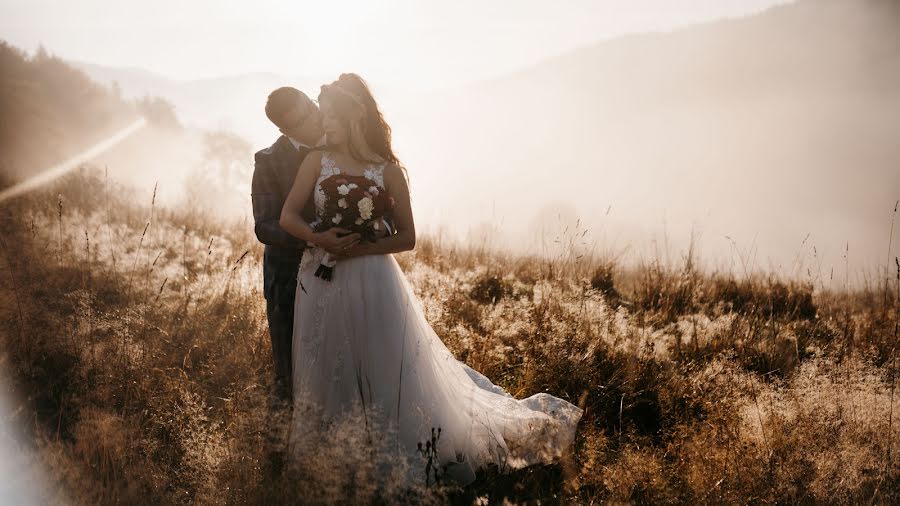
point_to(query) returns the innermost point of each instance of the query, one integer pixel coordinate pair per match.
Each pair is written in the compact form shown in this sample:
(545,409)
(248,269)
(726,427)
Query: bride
(361,340)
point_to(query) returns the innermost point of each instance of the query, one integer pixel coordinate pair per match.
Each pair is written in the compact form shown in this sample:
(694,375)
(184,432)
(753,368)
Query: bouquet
(355,203)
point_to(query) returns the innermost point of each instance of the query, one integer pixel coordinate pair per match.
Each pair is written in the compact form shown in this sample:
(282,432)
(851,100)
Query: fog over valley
(770,139)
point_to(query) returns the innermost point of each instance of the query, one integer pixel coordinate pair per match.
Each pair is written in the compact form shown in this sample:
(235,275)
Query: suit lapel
(287,161)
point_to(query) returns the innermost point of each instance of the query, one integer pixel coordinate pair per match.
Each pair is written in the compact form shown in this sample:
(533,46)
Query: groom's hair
(280,101)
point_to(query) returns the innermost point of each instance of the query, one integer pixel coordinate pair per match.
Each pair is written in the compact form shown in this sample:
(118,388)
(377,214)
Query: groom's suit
(273,175)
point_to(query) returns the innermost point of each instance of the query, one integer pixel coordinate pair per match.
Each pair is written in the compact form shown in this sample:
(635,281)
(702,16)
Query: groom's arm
(267,205)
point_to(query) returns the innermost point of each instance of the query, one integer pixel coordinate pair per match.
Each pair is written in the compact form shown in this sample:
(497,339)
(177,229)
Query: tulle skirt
(361,342)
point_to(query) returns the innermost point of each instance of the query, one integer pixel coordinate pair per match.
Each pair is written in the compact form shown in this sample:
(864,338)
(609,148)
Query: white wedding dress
(361,341)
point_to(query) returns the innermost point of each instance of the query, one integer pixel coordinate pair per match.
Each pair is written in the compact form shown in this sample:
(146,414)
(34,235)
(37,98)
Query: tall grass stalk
(184,268)
(12,276)
(59,213)
(226,283)
(890,444)
(89,288)
(109,228)
(137,254)
(890,438)
(887,268)
(150,244)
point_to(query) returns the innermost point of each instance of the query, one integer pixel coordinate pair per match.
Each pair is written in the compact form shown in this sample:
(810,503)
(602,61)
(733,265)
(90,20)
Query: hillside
(56,111)
(51,111)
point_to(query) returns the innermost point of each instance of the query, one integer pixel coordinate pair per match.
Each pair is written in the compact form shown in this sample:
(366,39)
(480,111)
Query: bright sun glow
(72,163)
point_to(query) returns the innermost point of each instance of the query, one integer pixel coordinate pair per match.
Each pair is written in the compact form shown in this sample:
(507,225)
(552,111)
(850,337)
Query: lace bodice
(373,172)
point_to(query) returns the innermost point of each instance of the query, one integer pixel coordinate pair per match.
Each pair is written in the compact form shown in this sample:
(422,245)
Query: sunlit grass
(136,338)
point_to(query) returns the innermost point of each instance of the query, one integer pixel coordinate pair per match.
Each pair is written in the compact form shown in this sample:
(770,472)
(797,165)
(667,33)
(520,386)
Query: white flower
(342,203)
(375,226)
(337,219)
(359,221)
(343,189)
(365,208)
(373,190)
(352,186)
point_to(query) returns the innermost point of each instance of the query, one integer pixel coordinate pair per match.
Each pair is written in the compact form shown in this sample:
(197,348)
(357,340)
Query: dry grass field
(134,345)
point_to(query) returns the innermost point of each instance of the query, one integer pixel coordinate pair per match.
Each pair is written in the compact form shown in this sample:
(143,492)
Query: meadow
(134,344)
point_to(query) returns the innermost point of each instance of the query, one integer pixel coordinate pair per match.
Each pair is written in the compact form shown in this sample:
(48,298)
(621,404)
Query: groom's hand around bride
(337,240)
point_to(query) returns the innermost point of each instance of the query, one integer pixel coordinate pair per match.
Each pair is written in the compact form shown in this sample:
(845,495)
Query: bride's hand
(331,242)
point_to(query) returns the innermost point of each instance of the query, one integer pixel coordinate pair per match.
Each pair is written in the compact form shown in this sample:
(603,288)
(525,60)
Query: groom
(300,123)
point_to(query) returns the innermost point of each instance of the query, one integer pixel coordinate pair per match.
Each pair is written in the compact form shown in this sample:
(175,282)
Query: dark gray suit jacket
(273,175)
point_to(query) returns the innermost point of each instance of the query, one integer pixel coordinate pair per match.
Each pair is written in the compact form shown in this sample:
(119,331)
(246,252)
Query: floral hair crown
(340,89)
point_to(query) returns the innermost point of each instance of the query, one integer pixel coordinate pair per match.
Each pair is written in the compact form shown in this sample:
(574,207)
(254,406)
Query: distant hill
(50,111)
(765,128)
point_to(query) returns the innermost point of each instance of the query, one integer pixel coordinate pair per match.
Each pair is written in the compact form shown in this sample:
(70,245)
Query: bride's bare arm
(292,212)
(405,238)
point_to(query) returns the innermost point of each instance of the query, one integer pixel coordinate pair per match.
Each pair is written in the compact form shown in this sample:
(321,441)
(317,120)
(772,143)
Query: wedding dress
(362,340)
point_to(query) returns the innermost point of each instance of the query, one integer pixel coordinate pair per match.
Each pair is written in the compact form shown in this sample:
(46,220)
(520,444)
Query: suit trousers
(279,288)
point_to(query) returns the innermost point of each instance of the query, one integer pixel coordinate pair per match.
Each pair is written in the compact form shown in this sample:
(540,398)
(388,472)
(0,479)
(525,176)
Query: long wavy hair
(369,136)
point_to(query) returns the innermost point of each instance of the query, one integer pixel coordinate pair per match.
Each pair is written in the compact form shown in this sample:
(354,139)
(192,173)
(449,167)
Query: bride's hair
(369,136)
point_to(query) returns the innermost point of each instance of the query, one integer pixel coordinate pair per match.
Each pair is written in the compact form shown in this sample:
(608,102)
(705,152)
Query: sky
(401,42)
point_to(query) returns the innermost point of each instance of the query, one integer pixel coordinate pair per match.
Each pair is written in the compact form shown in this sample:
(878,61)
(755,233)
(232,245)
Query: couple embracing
(331,203)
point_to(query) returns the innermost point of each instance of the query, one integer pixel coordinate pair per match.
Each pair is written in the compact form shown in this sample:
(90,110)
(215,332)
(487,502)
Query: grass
(134,339)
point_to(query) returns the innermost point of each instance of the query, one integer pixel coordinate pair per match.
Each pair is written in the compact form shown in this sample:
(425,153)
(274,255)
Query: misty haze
(763,136)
